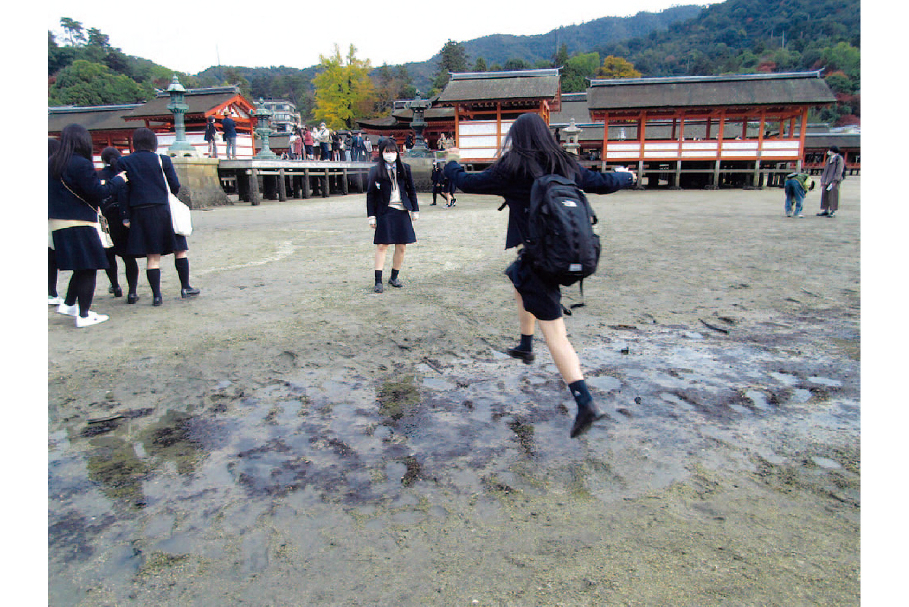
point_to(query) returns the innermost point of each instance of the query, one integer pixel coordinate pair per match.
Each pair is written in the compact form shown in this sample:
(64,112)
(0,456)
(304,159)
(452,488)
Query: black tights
(51,272)
(81,288)
(129,265)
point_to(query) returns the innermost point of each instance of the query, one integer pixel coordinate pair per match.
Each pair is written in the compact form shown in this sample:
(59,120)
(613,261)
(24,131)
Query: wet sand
(291,438)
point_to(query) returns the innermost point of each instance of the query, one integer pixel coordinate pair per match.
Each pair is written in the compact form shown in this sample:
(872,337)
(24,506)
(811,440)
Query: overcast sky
(295,33)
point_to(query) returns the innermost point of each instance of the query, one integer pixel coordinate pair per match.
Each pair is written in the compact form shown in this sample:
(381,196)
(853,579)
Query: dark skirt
(151,232)
(119,233)
(79,248)
(394,227)
(541,298)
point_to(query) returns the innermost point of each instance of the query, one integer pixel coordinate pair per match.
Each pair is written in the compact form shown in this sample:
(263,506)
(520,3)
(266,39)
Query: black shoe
(433,204)
(117,291)
(831,214)
(585,418)
(189,292)
(132,298)
(378,288)
(157,300)
(396,282)
(823,214)
(524,355)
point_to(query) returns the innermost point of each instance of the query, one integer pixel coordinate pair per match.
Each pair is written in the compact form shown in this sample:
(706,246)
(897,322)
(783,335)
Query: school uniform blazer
(146,185)
(379,193)
(516,191)
(82,179)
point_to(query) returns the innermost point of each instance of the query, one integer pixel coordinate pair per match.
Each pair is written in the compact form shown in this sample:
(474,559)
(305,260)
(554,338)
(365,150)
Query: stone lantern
(572,146)
(263,130)
(419,106)
(177,106)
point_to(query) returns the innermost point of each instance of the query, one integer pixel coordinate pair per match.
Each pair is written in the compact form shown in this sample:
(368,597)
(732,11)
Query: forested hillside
(737,36)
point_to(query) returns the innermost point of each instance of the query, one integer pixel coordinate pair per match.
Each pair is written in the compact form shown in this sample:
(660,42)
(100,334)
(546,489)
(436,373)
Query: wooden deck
(254,180)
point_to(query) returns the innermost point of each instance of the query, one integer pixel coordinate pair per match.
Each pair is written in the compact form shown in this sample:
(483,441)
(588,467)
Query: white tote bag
(180,215)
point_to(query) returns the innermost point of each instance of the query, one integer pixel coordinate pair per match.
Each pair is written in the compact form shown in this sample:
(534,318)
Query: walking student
(531,151)
(145,211)
(74,195)
(391,207)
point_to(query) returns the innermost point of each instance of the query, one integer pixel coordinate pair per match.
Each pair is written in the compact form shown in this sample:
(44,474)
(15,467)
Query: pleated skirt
(79,248)
(394,227)
(151,232)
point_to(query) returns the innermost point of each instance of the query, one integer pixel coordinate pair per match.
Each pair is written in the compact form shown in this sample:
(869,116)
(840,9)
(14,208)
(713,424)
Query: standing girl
(110,207)
(74,194)
(145,211)
(391,206)
(532,151)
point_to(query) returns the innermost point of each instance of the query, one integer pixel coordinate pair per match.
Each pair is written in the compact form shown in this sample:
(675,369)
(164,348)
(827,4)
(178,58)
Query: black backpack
(561,246)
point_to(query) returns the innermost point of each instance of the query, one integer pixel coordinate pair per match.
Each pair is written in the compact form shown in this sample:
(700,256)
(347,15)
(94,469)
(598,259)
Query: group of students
(131,194)
(531,151)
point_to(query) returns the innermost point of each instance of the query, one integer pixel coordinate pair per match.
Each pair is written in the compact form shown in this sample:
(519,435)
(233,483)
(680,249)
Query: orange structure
(707,127)
(487,103)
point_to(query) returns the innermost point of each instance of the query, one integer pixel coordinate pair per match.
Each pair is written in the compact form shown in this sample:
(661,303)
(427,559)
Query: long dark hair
(531,151)
(390,144)
(74,139)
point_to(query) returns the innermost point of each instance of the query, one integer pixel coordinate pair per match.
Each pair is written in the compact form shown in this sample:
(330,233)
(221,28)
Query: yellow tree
(617,67)
(342,89)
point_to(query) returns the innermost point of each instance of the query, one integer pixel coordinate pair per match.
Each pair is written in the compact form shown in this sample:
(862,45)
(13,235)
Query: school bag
(561,245)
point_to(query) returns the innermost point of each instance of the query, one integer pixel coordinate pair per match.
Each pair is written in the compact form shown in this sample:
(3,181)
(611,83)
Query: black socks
(154,281)
(131,266)
(378,277)
(580,393)
(182,266)
(394,274)
(526,343)
(587,410)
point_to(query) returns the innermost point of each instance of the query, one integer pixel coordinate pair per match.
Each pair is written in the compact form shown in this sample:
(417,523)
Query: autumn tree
(617,67)
(343,89)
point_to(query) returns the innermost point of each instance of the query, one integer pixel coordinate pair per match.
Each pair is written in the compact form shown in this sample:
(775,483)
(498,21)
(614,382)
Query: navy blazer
(229,126)
(146,185)
(516,191)
(82,179)
(379,192)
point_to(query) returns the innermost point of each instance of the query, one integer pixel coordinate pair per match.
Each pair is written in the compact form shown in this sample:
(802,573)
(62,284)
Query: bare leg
(563,354)
(398,259)
(381,249)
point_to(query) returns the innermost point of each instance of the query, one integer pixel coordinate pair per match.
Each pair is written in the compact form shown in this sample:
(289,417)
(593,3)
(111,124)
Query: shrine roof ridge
(211,90)
(693,79)
(504,74)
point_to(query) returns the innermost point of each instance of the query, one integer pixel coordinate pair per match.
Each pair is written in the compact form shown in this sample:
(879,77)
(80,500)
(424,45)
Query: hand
(414,215)
(634,177)
(123,175)
(372,222)
(126,223)
(829,187)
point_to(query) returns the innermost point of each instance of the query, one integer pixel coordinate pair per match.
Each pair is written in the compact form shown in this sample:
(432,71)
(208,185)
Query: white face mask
(390,157)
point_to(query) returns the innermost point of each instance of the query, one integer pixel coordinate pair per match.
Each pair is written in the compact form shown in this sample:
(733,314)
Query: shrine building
(113,125)
(705,130)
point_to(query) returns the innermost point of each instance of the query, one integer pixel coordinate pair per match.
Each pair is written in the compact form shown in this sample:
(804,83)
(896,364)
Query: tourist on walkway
(119,234)
(307,143)
(531,152)
(230,136)
(830,182)
(796,186)
(322,137)
(211,136)
(145,211)
(391,206)
(74,195)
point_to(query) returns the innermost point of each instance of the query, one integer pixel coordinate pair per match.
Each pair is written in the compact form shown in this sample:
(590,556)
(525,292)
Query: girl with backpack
(531,151)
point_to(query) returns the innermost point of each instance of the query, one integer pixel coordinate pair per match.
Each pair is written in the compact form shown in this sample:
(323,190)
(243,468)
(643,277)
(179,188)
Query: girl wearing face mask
(391,206)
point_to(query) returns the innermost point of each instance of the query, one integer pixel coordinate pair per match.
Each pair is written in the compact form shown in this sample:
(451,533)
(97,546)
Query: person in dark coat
(439,184)
(230,136)
(145,211)
(74,195)
(391,207)
(110,208)
(211,136)
(531,151)
(52,298)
